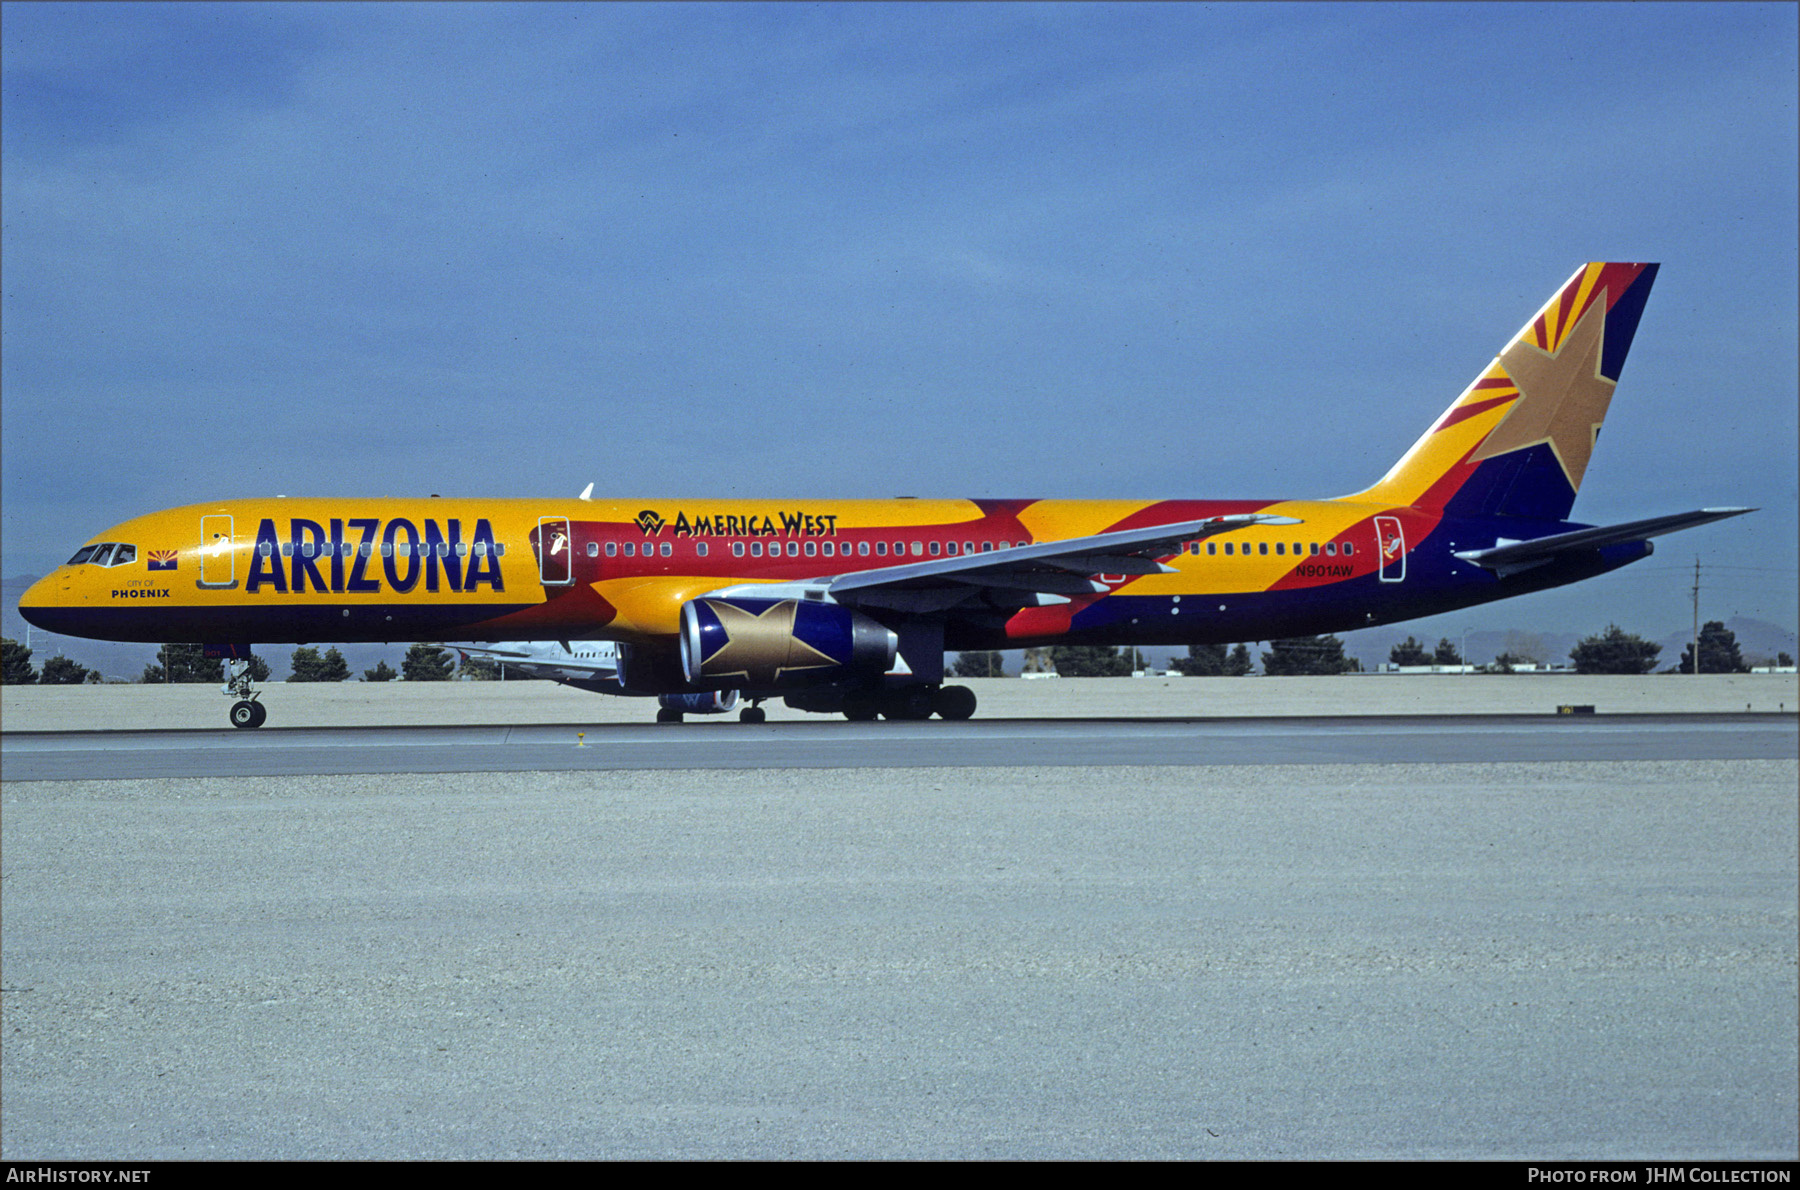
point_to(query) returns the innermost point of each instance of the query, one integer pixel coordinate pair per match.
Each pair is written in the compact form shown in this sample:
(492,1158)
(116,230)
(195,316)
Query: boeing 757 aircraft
(847,606)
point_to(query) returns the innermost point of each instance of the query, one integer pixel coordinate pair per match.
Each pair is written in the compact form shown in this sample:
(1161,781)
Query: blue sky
(865,250)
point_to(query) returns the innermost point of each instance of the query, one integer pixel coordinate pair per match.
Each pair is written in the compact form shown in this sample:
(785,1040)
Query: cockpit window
(106,553)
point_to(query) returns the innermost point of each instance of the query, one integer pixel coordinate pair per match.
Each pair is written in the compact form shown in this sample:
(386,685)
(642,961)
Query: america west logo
(788,524)
(162,559)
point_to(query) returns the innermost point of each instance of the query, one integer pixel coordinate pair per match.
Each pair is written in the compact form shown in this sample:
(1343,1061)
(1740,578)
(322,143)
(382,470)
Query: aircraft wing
(1510,557)
(1033,575)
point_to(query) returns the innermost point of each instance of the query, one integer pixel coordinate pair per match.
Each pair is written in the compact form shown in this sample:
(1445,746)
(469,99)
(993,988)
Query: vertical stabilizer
(1517,441)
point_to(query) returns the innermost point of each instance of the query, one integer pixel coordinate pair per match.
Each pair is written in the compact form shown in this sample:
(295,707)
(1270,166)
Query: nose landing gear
(246,711)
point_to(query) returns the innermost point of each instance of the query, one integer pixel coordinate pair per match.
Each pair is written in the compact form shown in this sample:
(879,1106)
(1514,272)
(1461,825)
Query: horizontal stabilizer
(1513,556)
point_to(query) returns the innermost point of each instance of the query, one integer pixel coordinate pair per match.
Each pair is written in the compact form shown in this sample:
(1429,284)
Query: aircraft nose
(39,603)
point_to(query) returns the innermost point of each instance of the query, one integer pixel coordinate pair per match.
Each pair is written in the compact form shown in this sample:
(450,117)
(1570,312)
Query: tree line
(189,663)
(1614,651)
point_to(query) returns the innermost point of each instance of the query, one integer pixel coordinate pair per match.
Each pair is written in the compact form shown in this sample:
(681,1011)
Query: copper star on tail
(1563,396)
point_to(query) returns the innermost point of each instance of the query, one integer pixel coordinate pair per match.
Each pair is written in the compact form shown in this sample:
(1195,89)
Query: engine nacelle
(706,702)
(780,644)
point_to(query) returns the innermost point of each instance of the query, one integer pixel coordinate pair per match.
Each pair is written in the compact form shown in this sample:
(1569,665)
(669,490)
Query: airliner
(848,606)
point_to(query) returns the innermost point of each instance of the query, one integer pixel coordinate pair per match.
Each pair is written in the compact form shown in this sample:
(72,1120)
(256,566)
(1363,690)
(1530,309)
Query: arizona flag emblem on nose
(162,559)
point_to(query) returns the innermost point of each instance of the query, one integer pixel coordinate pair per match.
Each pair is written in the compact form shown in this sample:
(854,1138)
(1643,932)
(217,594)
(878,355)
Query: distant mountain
(1371,646)
(1758,641)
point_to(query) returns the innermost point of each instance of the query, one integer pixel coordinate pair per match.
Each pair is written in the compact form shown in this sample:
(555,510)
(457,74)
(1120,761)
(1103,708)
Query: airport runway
(1467,936)
(1547,959)
(726,744)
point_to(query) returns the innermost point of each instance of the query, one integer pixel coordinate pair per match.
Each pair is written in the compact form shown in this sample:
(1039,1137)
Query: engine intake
(707,702)
(780,644)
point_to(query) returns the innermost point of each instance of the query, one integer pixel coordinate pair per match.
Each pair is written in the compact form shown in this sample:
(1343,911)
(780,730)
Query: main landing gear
(246,711)
(750,714)
(911,703)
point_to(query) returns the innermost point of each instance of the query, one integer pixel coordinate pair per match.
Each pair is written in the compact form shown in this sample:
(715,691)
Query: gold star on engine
(1563,396)
(760,647)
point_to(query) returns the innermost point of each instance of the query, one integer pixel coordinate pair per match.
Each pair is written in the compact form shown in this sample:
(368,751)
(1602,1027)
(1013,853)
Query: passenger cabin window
(667,549)
(700,549)
(737,549)
(1349,549)
(593,549)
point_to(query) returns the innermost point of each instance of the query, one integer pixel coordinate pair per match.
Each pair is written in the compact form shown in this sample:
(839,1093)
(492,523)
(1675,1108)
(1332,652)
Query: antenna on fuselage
(587,493)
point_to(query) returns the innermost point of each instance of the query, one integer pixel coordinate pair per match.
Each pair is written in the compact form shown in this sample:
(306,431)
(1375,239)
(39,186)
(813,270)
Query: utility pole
(1696,615)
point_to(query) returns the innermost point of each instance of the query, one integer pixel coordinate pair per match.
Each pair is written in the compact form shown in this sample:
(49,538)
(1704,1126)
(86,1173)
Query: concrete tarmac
(1549,961)
(728,744)
(361,704)
(1542,959)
